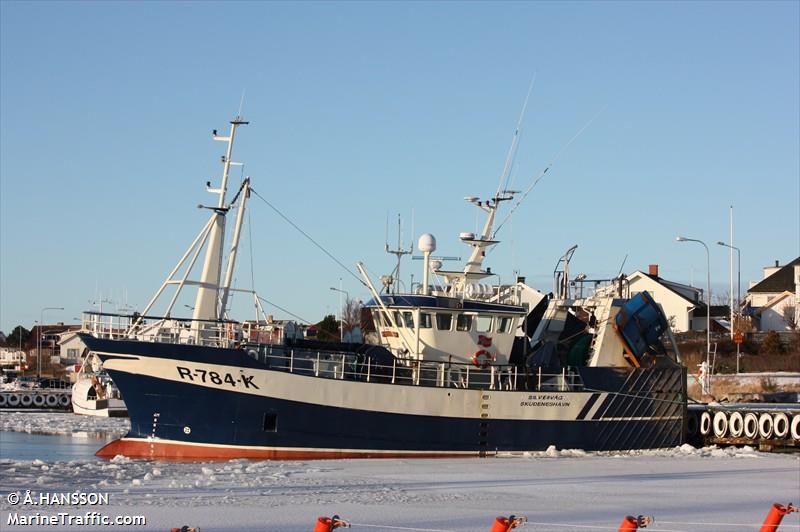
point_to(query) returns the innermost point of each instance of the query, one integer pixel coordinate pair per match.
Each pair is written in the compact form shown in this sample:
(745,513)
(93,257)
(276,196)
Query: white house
(11,359)
(679,301)
(72,348)
(776,297)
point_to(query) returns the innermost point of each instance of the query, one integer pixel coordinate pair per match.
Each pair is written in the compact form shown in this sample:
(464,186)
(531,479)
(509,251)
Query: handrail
(327,364)
(359,367)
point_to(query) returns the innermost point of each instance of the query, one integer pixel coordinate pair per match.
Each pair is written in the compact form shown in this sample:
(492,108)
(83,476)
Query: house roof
(777,299)
(779,281)
(666,284)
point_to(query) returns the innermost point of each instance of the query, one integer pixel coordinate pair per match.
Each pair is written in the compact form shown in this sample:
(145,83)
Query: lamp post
(341,310)
(39,350)
(708,308)
(739,276)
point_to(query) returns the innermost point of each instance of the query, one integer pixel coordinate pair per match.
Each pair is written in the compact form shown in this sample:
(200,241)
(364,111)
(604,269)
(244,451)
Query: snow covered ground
(685,489)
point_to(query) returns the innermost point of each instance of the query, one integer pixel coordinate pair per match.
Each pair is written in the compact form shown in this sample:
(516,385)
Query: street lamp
(739,280)
(39,350)
(708,309)
(341,310)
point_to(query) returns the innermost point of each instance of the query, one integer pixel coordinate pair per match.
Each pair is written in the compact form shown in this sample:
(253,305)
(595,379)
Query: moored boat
(94,393)
(461,369)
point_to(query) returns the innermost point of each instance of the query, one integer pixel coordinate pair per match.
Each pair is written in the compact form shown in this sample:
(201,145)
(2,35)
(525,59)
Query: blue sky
(363,110)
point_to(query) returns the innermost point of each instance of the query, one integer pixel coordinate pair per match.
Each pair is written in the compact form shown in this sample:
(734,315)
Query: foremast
(207,304)
(473,269)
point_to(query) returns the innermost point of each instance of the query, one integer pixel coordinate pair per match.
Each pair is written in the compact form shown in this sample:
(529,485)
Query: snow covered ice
(555,489)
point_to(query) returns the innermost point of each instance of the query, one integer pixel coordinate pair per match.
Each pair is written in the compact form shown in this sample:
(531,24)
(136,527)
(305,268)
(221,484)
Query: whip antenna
(512,150)
(550,165)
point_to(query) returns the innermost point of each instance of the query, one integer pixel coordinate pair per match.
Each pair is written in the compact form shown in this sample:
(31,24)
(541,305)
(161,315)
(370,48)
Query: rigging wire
(542,174)
(283,310)
(252,269)
(337,261)
(502,186)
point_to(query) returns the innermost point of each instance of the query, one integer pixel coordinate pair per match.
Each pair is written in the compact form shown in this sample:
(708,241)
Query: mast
(205,307)
(237,231)
(473,269)
(399,252)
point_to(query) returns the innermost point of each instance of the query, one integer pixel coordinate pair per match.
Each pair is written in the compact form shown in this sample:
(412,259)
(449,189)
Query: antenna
(399,252)
(241,103)
(543,172)
(622,265)
(512,150)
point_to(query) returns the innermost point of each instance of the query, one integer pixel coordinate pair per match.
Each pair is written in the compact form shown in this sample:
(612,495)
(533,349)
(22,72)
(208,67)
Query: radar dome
(427,243)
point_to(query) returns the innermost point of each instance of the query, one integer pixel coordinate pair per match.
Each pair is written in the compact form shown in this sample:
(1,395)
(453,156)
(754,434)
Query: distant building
(48,337)
(774,302)
(72,350)
(680,302)
(11,359)
(273,331)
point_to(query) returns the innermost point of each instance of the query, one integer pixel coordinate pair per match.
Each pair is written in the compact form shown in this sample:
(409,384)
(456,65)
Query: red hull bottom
(155,450)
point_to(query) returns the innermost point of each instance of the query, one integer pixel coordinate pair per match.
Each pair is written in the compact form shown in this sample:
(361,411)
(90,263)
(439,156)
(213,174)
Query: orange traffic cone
(505,524)
(775,516)
(327,524)
(632,524)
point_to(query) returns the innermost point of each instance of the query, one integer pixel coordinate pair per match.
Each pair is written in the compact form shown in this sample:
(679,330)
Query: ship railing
(165,329)
(355,367)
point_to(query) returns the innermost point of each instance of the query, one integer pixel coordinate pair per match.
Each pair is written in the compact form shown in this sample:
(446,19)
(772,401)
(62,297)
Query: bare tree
(352,312)
(790,316)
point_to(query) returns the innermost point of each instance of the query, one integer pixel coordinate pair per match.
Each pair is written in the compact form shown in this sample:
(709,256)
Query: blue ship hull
(268,412)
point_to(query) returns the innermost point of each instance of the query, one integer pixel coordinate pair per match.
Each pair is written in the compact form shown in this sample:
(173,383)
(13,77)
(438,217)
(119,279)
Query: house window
(464,322)
(444,321)
(483,324)
(72,353)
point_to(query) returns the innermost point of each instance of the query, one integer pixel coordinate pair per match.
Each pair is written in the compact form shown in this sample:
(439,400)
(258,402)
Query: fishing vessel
(462,367)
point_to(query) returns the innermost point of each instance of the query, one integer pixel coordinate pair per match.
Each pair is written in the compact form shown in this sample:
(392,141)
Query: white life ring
(13,399)
(26,400)
(750,425)
(64,400)
(705,423)
(795,430)
(736,424)
(3,399)
(720,424)
(38,400)
(766,426)
(780,423)
(482,359)
(51,399)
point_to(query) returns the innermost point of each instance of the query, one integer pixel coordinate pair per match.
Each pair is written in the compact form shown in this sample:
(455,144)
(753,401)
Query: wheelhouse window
(483,324)
(380,318)
(424,320)
(408,318)
(464,322)
(397,319)
(504,324)
(444,321)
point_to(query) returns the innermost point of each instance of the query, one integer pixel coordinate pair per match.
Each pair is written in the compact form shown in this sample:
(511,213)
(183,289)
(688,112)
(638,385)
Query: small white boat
(94,393)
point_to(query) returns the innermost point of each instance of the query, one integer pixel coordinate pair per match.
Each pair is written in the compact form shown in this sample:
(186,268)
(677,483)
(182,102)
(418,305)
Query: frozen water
(686,489)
